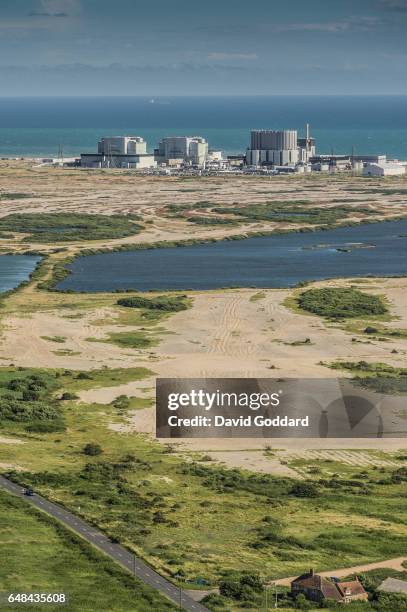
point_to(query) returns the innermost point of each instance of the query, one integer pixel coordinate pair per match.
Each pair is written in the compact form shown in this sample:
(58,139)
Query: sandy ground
(118,191)
(4,440)
(225,333)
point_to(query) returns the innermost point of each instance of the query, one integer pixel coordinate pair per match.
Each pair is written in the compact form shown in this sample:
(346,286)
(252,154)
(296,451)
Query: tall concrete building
(189,149)
(120,152)
(270,147)
(122,145)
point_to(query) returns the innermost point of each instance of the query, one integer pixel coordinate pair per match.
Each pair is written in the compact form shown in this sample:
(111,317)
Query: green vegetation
(166,303)
(43,556)
(65,227)
(295,211)
(340,303)
(15,196)
(378,377)
(92,449)
(260,295)
(200,220)
(132,339)
(194,521)
(385,332)
(57,339)
(28,397)
(380,190)
(245,590)
(179,208)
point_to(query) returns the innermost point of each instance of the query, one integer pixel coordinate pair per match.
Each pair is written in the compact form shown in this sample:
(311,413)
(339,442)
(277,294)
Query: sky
(224,47)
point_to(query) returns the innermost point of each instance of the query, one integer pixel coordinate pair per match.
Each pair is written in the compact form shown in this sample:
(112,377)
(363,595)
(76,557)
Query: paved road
(117,552)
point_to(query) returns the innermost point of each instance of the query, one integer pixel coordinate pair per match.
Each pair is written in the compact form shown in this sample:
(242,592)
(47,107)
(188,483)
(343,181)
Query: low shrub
(341,303)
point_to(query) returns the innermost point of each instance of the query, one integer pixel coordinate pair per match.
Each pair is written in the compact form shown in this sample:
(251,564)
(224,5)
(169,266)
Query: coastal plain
(225,333)
(103,353)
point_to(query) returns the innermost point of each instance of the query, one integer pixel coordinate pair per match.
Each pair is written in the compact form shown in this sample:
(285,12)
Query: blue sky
(133,47)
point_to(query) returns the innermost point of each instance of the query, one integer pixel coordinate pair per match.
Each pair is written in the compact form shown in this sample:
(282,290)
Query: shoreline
(60,271)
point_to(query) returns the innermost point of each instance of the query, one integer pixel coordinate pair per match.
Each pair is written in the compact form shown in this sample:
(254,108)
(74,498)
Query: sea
(38,127)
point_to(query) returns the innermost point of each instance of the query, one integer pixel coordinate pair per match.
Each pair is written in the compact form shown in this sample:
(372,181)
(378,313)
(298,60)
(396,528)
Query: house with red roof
(317,588)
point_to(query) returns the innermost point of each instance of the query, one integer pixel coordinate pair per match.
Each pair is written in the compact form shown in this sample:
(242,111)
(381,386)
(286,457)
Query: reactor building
(119,152)
(176,150)
(273,148)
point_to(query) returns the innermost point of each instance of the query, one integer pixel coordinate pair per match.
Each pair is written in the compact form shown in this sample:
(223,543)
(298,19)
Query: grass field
(42,556)
(66,227)
(189,519)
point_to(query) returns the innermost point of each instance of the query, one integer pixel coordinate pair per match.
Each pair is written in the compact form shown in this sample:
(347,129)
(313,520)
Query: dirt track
(396,564)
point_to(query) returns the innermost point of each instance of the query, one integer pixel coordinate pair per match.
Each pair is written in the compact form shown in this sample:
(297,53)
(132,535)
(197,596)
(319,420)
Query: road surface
(115,551)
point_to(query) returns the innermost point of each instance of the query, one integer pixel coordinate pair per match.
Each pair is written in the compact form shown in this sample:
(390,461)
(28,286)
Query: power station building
(122,145)
(119,152)
(274,148)
(176,150)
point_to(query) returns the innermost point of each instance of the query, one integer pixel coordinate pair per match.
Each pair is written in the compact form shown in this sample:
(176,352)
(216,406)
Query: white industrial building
(191,150)
(270,147)
(384,169)
(120,152)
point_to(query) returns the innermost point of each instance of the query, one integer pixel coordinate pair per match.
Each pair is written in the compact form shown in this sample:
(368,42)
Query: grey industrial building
(175,150)
(271,147)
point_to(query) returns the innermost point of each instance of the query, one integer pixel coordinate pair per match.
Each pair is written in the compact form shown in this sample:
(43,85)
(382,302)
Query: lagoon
(14,269)
(378,249)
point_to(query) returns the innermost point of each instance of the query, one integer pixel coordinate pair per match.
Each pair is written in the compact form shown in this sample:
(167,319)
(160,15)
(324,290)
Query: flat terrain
(24,188)
(64,564)
(189,508)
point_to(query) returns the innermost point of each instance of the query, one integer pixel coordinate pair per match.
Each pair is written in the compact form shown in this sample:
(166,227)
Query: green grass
(128,339)
(260,295)
(295,211)
(378,377)
(15,196)
(57,339)
(200,220)
(133,339)
(65,227)
(165,303)
(43,556)
(203,520)
(341,303)
(28,397)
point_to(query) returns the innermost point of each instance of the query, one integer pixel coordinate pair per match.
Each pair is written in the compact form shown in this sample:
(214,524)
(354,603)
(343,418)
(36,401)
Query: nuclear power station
(274,148)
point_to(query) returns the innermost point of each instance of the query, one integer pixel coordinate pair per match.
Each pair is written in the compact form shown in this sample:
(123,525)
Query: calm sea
(37,126)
